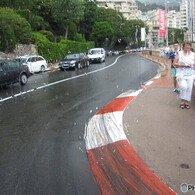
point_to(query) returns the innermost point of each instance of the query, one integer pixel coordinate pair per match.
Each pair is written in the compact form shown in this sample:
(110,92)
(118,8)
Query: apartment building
(154,38)
(187,9)
(128,8)
(173,19)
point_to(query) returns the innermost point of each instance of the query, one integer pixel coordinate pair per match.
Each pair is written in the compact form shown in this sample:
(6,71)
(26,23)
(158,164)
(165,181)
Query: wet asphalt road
(42,145)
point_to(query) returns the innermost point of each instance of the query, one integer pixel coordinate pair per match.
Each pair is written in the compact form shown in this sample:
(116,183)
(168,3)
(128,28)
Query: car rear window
(72,56)
(95,52)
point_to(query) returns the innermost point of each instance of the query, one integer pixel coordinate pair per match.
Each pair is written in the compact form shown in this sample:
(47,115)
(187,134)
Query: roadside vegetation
(57,27)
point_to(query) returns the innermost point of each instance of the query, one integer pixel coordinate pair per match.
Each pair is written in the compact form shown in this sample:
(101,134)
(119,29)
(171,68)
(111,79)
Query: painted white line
(130,93)
(60,81)
(149,83)
(104,129)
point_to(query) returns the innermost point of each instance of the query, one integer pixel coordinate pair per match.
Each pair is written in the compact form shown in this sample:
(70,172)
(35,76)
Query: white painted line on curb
(104,129)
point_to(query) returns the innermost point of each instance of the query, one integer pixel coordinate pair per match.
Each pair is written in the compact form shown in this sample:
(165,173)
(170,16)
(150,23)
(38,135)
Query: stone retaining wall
(20,50)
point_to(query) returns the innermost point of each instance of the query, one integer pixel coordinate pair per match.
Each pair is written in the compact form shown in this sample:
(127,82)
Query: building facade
(187,9)
(173,19)
(128,8)
(153,37)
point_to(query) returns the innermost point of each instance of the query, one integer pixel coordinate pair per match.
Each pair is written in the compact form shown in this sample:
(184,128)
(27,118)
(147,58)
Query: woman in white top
(185,61)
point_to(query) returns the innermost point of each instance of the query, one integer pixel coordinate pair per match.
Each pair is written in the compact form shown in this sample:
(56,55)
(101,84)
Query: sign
(162,22)
(143,34)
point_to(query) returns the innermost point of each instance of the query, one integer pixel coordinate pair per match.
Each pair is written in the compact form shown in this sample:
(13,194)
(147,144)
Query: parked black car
(12,72)
(75,60)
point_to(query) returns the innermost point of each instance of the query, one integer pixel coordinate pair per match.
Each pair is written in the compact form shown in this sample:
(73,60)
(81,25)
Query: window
(33,59)
(13,65)
(39,59)
(29,60)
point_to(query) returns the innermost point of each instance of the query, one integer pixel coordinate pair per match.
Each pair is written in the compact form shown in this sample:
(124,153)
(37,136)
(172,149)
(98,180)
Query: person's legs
(174,82)
(182,87)
(185,86)
(173,74)
(189,91)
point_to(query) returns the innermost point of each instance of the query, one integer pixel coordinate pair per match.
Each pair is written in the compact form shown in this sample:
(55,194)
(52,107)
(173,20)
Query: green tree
(102,31)
(86,25)
(13,29)
(65,12)
(115,20)
(17,4)
(43,8)
(176,35)
(37,22)
(134,32)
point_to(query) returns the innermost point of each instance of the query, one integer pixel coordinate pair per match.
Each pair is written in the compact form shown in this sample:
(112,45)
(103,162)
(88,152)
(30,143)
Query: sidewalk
(52,66)
(162,134)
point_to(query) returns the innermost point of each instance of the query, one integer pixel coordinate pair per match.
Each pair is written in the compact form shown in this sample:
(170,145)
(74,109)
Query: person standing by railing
(172,55)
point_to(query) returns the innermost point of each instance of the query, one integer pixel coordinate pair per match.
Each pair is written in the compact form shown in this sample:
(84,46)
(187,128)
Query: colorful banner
(162,22)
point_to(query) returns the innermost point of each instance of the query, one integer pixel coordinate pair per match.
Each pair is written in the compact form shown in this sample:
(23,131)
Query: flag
(162,22)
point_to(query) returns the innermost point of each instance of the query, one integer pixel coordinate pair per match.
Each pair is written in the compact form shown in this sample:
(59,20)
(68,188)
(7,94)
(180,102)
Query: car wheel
(23,79)
(61,69)
(42,68)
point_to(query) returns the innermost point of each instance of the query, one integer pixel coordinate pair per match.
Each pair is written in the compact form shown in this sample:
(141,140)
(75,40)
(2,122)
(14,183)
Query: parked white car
(34,63)
(97,55)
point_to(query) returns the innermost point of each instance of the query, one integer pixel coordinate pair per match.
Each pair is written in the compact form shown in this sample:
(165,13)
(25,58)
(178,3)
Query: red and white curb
(116,167)
(52,68)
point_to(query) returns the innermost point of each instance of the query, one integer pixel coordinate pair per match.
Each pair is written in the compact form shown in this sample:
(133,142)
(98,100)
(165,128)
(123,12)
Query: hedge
(55,51)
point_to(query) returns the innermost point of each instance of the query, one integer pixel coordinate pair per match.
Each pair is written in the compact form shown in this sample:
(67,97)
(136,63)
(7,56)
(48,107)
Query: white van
(97,55)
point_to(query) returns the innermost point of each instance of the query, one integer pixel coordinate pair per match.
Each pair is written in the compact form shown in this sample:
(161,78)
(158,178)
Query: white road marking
(60,81)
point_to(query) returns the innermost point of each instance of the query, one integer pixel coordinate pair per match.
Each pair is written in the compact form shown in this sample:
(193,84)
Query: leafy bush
(59,38)
(79,37)
(49,50)
(55,51)
(25,13)
(7,39)
(74,46)
(48,34)
(13,29)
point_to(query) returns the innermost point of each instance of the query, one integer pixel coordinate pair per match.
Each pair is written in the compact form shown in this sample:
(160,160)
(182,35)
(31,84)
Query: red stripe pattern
(116,167)
(118,104)
(119,170)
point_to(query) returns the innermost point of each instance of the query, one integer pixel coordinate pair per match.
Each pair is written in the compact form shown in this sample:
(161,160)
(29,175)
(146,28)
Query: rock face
(20,50)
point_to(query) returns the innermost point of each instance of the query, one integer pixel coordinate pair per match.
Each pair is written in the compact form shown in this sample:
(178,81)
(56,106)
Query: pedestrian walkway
(162,134)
